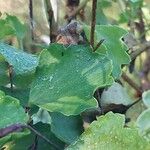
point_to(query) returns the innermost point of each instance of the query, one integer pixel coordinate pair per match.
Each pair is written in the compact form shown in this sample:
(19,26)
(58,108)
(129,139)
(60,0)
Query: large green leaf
(22,62)
(66,128)
(66,79)
(109,133)
(115,48)
(143,123)
(11,113)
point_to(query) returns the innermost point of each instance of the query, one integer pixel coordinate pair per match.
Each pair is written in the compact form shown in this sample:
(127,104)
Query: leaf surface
(66,128)
(66,79)
(22,62)
(11,113)
(115,48)
(109,133)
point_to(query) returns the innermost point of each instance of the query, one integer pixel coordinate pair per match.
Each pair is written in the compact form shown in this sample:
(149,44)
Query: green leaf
(11,113)
(66,79)
(146,98)
(143,123)
(22,62)
(4,78)
(41,116)
(100,16)
(109,133)
(17,26)
(21,94)
(116,49)
(23,81)
(66,128)
(105,3)
(115,94)
(124,17)
(27,141)
(5,29)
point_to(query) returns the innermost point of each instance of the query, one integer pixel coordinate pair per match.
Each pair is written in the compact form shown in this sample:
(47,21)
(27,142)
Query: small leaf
(41,116)
(66,128)
(22,62)
(115,94)
(115,48)
(143,123)
(109,133)
(66,83)
(146,98)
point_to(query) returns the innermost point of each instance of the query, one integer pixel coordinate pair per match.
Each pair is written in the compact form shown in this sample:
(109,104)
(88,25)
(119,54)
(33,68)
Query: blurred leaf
(124,17)
(65,83)
(100,16)
(146,98)
(109,133)
(104,3)
(134,112)
(66,128)
(115,94)
(22,62)
(41,116)
(11,113)
(143,123)
(5,29)
(116,49)
(17,26)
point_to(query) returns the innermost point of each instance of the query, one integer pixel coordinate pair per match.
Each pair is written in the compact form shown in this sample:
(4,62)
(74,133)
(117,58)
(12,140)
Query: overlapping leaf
(67,77)
(41,116)
(146,98)
(143,123)
(66,128)
(109,133)
(21,94)
(22,62)
(5,29)
(28,141)
(143,120)
(11,113)
(11,25)
(115,48)
(115,94)
(18,28)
